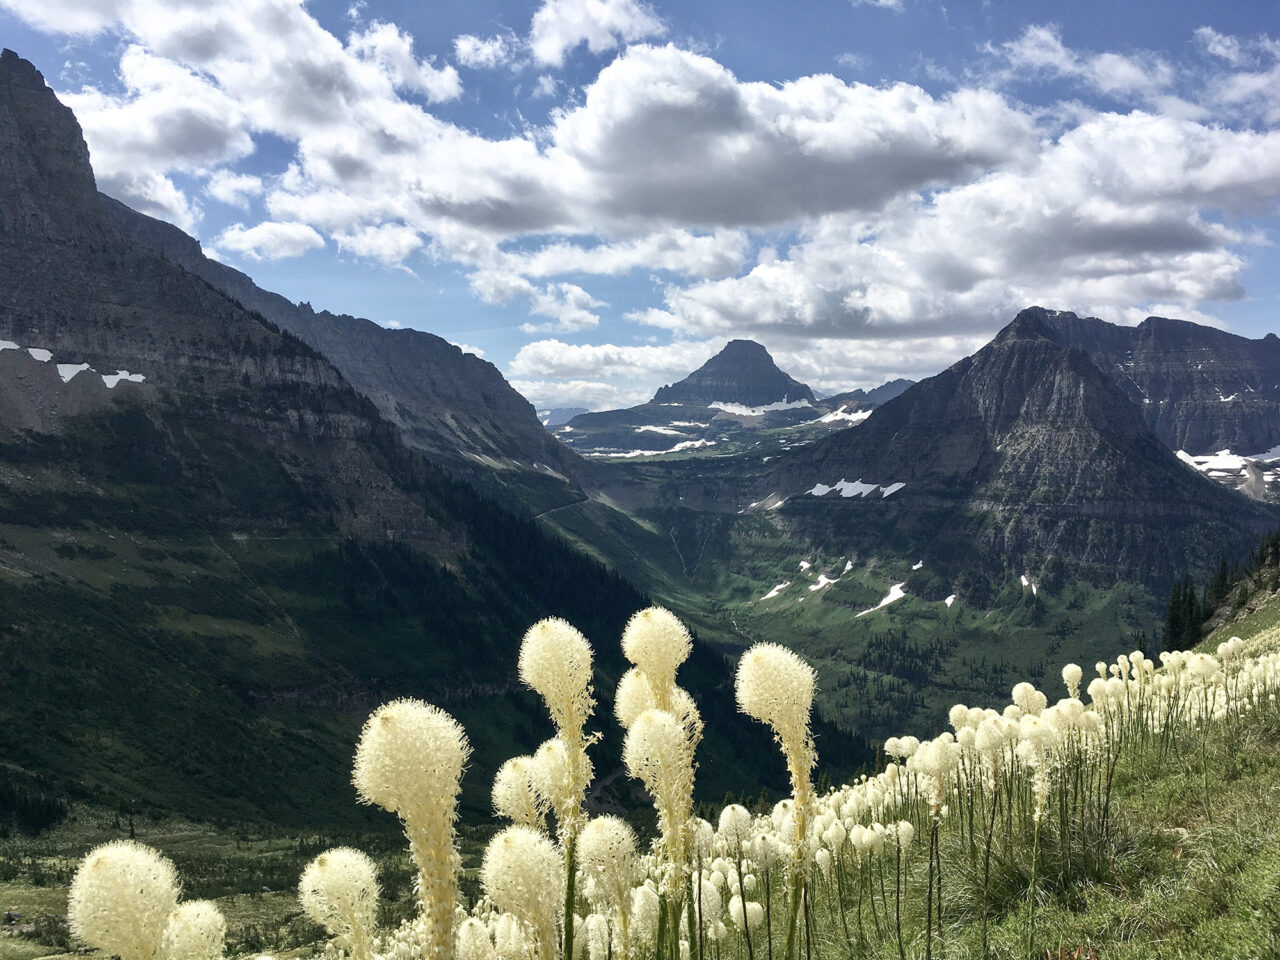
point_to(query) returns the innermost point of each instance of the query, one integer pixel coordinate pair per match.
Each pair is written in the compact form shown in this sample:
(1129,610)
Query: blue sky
(597,194)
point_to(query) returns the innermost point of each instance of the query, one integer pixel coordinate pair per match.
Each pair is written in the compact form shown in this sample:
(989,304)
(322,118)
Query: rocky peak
(743,372)
(47,188)
(1031,451)
(1200,389)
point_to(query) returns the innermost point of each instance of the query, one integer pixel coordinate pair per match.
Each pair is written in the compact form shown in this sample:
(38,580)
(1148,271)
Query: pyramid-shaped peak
(742,373)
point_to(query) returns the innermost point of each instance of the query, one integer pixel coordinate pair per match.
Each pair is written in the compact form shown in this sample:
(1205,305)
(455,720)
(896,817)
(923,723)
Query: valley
(289,515)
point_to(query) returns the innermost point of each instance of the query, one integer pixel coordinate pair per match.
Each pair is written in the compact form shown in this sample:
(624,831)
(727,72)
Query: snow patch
(68,370)
(776,590)
(628,454)
(848,565)
(805,564)
(8,345)
(44,356)
(917,565)
(846,489)
(111,379)
(823,581)
(1224,461)
(896,593)
(739,410)
(688,423)
(665,431)
(857,416)
(950,600)
(855,488)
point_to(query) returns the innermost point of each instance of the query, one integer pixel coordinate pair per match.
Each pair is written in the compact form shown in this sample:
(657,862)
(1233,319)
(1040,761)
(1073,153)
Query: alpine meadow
(807,488)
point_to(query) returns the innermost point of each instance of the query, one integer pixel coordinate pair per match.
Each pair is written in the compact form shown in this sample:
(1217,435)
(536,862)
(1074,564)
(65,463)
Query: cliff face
(48,184)
(454,407)
(221,390)
(742,373)
(1200,389)
(1024,450)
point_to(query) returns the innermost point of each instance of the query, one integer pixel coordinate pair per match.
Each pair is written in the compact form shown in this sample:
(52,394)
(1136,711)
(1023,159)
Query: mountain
(743,373)
(1023,452)
(1201,390)
(876,395)
(454,407)
(771,411)
(216,556)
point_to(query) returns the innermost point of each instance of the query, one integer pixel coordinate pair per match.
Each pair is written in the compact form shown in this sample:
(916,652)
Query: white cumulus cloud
(561,25)
(471,51)
(269,241)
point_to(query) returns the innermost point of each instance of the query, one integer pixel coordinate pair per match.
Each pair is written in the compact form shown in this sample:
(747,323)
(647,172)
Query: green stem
(571,871)
(797,888)
(1031,910)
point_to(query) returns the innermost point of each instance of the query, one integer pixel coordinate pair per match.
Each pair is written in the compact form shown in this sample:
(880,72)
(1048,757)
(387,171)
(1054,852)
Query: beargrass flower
(195,931)
(339,891)
(409,761)
(523,875)
(516,796)
(121,898)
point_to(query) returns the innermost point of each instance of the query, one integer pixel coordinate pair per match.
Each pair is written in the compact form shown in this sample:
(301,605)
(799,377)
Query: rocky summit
(742,373)
(1024,450)
(1201,390)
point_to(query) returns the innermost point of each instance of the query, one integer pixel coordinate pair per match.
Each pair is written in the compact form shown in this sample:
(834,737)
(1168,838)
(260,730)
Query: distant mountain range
(737,401)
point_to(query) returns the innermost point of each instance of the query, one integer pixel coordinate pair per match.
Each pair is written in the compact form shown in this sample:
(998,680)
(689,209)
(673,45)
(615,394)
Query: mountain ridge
(1033,435)
(1200,389)
(453,406)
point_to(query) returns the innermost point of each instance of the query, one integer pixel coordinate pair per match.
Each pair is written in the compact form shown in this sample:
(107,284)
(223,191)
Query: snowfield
(855,488)
(739,410)
(896,593)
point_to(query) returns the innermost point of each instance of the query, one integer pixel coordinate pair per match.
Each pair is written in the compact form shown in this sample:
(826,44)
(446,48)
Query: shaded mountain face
(742,373)
(452,406)
(1025,450)
(1201,390)
(216,556)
